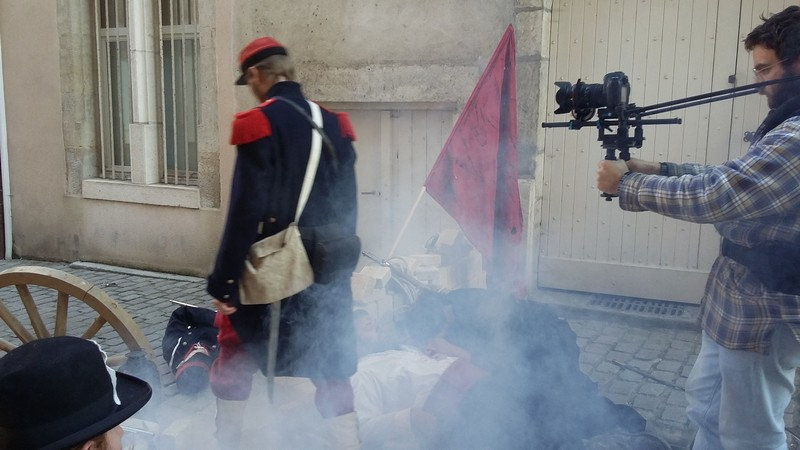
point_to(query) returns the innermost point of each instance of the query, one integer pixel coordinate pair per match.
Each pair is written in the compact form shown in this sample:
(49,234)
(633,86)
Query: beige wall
(346,51)
(48,223)
(393,50)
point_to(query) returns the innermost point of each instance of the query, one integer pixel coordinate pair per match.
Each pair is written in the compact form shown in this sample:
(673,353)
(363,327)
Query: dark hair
(424,319)
(277,65)
(780,32)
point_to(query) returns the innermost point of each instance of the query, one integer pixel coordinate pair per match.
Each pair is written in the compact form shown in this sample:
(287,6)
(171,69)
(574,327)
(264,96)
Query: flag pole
(405,224)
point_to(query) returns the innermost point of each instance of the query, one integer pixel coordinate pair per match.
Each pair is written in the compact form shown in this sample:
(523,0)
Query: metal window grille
(178,57)
(178,35)
(114,87)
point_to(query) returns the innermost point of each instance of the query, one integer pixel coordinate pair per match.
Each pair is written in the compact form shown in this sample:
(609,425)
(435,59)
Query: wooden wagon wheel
(67,287)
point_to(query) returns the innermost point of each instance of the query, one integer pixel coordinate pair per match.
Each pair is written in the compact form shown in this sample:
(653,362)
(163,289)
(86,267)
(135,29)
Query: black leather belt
(776,264)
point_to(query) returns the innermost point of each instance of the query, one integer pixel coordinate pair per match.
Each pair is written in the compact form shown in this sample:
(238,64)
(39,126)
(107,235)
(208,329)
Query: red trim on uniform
(446,395)
(231,376)
(345,127)
(267,102)
(462,375)
(199,364)
(249,126)
(227,335)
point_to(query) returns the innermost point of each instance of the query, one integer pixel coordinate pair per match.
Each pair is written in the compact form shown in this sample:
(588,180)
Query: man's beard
(784,91)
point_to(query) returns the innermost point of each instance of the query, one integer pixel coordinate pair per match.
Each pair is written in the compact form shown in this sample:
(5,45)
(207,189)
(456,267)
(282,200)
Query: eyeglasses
(761,70)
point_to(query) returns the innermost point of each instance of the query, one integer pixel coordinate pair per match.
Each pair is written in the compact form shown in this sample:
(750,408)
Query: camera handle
(610,155)
(619,141)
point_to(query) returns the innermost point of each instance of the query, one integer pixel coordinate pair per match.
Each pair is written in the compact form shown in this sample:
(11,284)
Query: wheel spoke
(33,312)
(14,324)
(94,327)
(62,306)
(70,289)
(6,346)
(116,360)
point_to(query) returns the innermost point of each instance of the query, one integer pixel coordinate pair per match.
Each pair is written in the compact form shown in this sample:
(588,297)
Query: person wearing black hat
(58,393)
(316,333)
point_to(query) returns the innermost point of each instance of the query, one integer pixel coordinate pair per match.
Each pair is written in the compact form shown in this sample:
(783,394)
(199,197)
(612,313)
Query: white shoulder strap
(313,160)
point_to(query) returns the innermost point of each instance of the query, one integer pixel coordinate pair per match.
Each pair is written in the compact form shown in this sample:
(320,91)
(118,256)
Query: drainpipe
(4,161)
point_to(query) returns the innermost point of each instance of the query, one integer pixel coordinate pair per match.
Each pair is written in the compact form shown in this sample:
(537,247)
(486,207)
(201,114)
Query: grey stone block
(623,387)
(677,398)
(590,358)
(665,376)
(675,414)
(629,375)
(618,356)
(646,402)
(606,367)
(652,388)
(594,347)
(669,366)
(627,347)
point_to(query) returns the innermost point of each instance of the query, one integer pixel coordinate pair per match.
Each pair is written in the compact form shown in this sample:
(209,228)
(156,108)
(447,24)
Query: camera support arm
(709,97)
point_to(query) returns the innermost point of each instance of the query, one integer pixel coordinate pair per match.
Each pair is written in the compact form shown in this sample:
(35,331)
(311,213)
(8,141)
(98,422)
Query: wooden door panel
(417,139)
(669,49)
(397,144)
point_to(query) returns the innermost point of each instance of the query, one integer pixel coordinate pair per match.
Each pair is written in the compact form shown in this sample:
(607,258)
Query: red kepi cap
(257,50)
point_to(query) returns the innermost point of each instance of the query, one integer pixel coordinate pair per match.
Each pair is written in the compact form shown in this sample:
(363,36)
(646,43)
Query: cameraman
(743,378)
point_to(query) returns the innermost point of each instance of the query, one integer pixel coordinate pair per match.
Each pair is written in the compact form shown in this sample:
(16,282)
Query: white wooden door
(396,146)
(669,49)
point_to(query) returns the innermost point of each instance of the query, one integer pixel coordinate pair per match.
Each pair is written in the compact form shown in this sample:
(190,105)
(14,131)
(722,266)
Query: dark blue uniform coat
(317,339)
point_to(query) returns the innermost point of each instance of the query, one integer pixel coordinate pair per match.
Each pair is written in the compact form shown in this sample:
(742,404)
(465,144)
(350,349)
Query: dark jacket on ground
(188,326)
(317,338)
(535,394)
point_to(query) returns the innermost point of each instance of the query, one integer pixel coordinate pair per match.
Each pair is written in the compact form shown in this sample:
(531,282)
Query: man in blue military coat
(316,337)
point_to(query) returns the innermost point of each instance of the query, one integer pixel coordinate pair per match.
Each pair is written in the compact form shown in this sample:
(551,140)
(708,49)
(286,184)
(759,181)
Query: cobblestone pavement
(644,367)
(635,361)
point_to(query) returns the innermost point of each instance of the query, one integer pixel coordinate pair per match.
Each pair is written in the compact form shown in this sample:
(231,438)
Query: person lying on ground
(190,346)
(478,371)
(393,387)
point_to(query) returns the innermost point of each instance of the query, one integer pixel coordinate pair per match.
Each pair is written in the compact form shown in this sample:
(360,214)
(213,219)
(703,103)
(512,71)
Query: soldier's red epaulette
(250,125)
(345,127)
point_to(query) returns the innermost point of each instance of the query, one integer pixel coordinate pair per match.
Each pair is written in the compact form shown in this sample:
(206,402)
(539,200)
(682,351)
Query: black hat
(256,51)
(58,392)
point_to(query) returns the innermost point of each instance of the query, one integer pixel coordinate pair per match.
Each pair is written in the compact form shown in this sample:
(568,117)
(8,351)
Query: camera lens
(582,99)
(564,97)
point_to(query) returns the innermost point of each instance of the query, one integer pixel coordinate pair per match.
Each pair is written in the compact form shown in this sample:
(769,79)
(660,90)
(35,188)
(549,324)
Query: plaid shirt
(750,200)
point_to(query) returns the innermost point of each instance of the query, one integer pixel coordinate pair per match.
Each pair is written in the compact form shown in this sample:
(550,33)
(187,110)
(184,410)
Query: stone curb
(129,271)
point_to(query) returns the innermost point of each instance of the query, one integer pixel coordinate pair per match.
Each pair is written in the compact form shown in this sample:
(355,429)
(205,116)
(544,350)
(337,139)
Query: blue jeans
(738,398)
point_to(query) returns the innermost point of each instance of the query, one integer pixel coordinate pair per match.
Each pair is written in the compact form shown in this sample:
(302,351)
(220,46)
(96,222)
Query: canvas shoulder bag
(332,251)
(277,266)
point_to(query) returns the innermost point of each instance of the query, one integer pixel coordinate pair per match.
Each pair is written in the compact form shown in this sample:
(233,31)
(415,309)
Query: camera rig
(610,101)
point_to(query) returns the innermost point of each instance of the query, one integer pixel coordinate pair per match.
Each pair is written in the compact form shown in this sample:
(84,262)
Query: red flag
(475,176)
